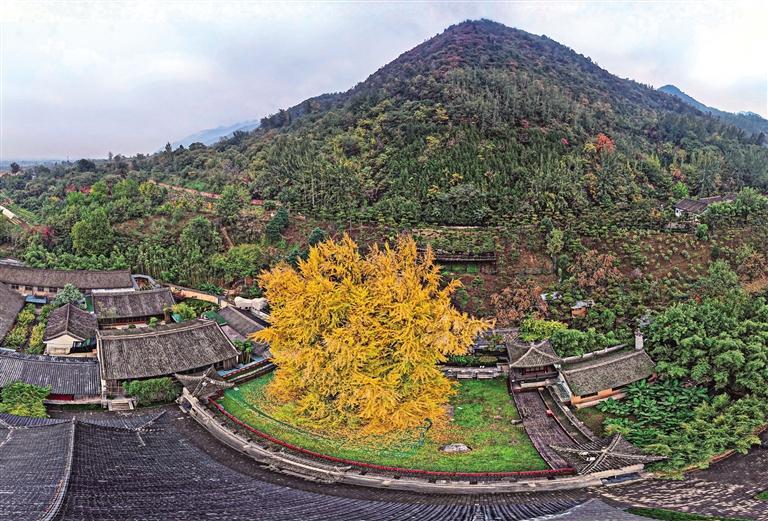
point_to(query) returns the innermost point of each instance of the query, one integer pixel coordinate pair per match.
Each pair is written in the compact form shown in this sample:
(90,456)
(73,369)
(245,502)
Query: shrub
(17,337)
(21,399)
(26,316)
(36,344)
(532,330)
(472,360)
(154,390)
(277,225)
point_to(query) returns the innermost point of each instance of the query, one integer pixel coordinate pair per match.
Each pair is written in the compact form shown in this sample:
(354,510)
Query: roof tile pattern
(120,474)
(82,279)
(132,304)
(70,319)
(11,303)
(126,354)
(240,321)
(604,454)
(76,376)
(36,464)
(532,355)
(609,371)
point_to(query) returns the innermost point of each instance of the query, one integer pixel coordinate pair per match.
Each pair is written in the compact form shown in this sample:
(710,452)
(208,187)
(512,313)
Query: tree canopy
(357,339)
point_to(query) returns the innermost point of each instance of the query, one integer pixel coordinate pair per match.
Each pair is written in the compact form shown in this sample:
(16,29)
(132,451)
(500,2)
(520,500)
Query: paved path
(542,429)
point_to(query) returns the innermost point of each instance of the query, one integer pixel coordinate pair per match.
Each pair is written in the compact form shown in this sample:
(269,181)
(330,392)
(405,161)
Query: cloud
(83,78)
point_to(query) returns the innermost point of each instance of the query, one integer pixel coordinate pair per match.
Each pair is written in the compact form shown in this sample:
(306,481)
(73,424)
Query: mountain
(212,135)
(747,121)
(481,124)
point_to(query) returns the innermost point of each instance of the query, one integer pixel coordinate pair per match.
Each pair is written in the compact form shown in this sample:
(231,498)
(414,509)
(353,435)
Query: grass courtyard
(482,420)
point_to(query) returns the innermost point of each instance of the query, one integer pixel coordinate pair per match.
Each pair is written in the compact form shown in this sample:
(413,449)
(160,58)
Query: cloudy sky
(84,78)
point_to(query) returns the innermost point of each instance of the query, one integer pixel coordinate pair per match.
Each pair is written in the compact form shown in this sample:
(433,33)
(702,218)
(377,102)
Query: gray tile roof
(82,279)
(608,371)
(241,321)
(70,319)
(592,510)
(126,354)
(36,465)
(611,453)
(11,303)
(697,206)
(77,376)
(132,304)
(149,467)
(532,355)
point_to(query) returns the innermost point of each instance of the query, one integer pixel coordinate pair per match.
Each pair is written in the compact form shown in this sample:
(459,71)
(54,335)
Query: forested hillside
(480,124)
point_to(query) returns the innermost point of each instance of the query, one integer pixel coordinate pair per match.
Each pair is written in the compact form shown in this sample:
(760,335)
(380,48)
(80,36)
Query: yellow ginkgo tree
(357,339)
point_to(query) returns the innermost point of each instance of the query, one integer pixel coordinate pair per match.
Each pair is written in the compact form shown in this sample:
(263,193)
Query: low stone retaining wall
(338,470)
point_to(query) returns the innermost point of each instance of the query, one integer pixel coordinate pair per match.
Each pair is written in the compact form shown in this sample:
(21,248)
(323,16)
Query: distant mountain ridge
(211,136)
(480,124)
(747,121)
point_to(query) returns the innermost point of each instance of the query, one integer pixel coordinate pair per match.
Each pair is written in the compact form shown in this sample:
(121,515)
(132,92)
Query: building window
(28,288)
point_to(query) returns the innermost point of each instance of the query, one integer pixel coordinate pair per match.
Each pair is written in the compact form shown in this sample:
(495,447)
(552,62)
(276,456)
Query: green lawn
(762,496)
(483,412)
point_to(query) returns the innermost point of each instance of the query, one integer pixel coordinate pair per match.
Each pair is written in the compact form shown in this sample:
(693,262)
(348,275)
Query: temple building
(132,307)
(531,364)
(600,375)
(70,331)
(70,379)
(605,455)
(139,353)
(47,283)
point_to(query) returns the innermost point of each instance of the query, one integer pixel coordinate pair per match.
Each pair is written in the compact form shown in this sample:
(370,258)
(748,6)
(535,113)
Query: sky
(81,79)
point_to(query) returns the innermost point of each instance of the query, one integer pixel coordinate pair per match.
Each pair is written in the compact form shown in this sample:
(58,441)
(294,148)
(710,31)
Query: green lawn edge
(483,413)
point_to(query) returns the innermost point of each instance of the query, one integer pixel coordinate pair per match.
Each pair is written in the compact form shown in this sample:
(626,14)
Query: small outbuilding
(132,307)
(69,331)
(531,364)
(695,207)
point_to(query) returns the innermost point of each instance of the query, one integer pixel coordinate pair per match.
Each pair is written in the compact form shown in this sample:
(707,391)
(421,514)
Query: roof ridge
(58,500)
(243,314)
(155,331)
(606,361)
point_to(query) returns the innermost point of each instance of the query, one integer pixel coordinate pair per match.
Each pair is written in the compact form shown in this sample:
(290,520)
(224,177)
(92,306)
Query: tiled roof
(241,321)
(11,303)
(531,355)
(132,304)
(608,371)
(697,206)
(153,469)
(604,454)
(82,279)
(36,464)
(77,376)
(205,384)
(592,510)
(126,354)
(70,319)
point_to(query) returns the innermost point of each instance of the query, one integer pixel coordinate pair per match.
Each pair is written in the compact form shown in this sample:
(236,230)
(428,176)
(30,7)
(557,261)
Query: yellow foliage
(357,340)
